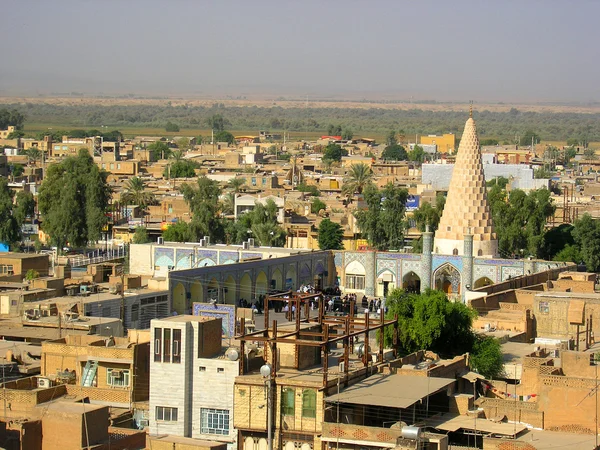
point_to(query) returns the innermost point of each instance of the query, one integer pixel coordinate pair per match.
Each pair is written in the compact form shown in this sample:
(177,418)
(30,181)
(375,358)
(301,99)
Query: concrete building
(188,352)
(109,371)
(445,143)
(245,203)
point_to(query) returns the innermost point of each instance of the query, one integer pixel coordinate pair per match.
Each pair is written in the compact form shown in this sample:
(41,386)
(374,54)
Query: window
(455,252)
(287,402)
(355,282)
(544,307)
(117,377)
(264,181)
(220,370)
(480,252)
(118,165)
(176,346)
(202,369)
(309,403)
(166,414)
(214,421)
(157,344)
(253,181)
(167,345)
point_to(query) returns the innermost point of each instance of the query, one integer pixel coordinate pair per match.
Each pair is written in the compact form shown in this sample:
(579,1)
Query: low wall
(100,395)
(513,410)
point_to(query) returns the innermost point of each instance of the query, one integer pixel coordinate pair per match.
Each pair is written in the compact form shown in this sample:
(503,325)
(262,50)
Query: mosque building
(462,257)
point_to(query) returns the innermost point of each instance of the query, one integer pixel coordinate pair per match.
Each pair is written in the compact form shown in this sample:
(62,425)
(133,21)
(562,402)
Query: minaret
(467,207)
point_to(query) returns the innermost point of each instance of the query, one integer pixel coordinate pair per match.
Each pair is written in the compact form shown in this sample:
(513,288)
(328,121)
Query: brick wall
(526,412)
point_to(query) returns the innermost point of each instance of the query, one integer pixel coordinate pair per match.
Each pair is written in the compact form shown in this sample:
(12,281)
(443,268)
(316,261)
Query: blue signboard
(412,202)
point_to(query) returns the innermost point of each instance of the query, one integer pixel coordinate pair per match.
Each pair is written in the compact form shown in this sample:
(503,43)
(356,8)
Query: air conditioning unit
(161,241)
(251,242)
(245,245)
(202,243)
(44,383)
(143,423)
(207,240)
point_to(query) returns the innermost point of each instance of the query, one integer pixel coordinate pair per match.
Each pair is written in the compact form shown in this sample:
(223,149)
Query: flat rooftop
(186,318)
(392,391)
(233,248)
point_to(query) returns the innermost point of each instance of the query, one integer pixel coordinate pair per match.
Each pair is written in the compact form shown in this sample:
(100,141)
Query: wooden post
(321,308)
(325,354)
(298,311)
(366,344)
(266,311)
(395,338)
(273,349)
(346,350)
(242,346)
(381,330)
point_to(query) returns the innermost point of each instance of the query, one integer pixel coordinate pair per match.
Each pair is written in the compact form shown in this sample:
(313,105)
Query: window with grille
(287,402)
(309,403)
(176,346)
(214,421)
(166,414)
(355,282)
(117,377)
(157,344)
(167,345)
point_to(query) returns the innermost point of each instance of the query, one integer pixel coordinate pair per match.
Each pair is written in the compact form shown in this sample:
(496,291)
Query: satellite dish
(232,354)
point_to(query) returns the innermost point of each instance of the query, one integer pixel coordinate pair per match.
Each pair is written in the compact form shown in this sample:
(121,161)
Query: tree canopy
(259,223)
(171,127)
(520,220)
(357,178)
(383,222)
(160,150)
(394,152)
(140,236)
(334,153)
(10,232)
(426,214)
(203,200)
(73,199)
(224,136)
(330,235)
(11,117)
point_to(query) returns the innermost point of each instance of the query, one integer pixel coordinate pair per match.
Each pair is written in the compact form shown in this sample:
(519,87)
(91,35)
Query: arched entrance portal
(229,290)
(484,281)
(411,283)
(386,281)
(196,292)
(179,298)
(447,279)
(261,284)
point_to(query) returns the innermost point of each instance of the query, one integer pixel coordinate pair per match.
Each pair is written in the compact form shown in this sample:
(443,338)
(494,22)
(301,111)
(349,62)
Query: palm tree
(228,204)
(236,184)
(135,194)
(357,178)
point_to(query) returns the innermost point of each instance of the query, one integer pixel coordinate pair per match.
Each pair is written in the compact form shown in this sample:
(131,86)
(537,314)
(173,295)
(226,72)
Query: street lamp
(266,372)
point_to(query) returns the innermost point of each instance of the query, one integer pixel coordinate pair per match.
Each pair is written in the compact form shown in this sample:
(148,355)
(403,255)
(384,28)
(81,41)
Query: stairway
(89,373)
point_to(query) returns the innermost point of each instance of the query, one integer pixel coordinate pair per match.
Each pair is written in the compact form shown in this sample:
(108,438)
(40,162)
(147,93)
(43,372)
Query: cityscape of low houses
(201,345)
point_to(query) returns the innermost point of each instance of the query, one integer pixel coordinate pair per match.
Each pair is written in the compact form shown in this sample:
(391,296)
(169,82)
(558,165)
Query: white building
(192,380)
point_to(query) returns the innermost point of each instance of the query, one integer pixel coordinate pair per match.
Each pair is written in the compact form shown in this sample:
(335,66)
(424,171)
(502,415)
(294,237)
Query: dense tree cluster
(383,220)
(502,126)
(430,321)
(520,220)
(330,235)
(73,201)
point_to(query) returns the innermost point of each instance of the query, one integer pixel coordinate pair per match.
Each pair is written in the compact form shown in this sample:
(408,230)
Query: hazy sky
(502,50)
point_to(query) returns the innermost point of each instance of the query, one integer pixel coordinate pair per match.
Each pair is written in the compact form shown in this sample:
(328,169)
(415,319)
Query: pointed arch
(261,284)
(246,288)
(411,282)
(230,290)
(179,298)
(213,290)
(206,262)
(276,280)
(481,282)
(447,278)
(290,278)
(196,291)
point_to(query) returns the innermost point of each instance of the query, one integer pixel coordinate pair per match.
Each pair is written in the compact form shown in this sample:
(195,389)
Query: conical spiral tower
(467,211)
